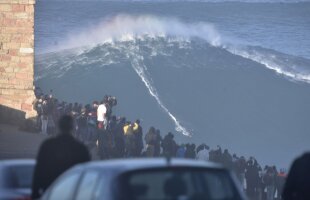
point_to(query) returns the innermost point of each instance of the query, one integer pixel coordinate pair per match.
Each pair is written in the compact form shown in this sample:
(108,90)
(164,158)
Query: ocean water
(235,74)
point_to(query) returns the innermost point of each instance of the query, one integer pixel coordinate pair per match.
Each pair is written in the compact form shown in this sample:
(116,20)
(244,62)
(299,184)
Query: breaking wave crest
(124,28)
(129,28)
(138,38)
(107,54)
(291,67)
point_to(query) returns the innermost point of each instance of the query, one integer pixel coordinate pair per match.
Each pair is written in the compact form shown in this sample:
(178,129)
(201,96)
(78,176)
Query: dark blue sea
(228,73)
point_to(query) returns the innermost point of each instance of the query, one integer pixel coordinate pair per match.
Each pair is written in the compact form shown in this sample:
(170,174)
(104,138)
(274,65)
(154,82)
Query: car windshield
(180,184)
(19,176)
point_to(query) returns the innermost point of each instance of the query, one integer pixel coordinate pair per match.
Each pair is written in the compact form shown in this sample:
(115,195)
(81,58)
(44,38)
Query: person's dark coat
(252,178)
(138,134)
(190,151)
(227,160)
(56,155)
(38,107)
(169,146)
(297,186)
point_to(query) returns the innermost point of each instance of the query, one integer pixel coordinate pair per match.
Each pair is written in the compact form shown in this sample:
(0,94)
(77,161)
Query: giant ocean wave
(144,42)
(124,28)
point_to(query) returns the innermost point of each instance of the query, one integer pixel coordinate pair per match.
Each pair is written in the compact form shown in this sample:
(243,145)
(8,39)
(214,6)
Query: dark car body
(16,178)
(145,179)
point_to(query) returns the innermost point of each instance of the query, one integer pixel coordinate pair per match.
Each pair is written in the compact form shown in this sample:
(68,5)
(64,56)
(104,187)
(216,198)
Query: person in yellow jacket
(125,128)
(135,127)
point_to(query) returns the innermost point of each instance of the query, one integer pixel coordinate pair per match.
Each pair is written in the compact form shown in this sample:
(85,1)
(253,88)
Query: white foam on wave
(282,67)
(129,28)
(124,28)
(142,72)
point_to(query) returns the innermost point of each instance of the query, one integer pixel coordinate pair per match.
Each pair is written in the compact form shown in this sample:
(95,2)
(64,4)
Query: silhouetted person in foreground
(297,186)
(56,155)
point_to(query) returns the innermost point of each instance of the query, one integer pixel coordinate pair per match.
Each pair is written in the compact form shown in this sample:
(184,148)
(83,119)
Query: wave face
(186,77)
(123,28)
(124,52)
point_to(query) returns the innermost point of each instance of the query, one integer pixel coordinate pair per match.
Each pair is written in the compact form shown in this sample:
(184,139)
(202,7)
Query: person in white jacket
(101,115)
(203,153)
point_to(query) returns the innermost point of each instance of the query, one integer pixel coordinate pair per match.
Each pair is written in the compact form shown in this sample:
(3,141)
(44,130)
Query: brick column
(17,55)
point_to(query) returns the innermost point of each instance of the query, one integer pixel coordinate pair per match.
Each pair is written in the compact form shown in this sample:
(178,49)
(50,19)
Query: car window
(103,187)
(64,188)
(219,186)
(19,176)
(87,186)
(180,184)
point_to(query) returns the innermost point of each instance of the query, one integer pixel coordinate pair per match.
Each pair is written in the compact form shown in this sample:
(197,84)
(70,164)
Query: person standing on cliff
(102,132)
(56,155)
(101,115)
(44,117)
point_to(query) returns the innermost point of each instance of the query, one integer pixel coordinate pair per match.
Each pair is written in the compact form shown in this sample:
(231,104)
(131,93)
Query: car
(153,178)
(16,178)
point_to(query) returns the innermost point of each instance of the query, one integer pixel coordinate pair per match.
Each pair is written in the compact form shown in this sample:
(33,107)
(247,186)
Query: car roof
(122,165)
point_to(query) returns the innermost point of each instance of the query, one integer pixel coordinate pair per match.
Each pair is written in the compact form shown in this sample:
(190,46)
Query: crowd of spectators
(117,137)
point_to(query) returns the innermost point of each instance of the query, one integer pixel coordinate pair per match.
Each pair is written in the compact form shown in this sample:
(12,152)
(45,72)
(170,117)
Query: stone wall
(17,55)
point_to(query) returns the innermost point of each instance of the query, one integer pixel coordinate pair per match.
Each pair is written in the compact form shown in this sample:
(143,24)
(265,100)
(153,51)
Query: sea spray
(128,28)
(125,28)
(221,95)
